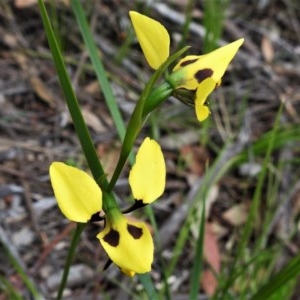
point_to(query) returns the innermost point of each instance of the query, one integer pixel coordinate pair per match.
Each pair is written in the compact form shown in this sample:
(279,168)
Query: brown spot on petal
(134,231)
(112,238)
(96,217)
(203,74)
(188,62)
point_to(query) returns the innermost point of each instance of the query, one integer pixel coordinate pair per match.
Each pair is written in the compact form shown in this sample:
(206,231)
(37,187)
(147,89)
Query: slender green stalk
(16,265)
(7,289)
(71,253)
(139,114)
(98,66)
(166,289)
(197,266)
(146,281)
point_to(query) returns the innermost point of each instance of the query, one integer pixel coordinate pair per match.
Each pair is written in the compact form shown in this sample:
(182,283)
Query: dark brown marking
(203,74)
(112,238)
(108,263)
(137,204)
(188,62)
(134,231)
(96,217)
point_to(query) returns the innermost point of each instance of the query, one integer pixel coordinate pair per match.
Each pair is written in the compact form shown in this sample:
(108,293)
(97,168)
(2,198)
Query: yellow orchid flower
(203,73)
(192,70)
(153,38)
(128,244)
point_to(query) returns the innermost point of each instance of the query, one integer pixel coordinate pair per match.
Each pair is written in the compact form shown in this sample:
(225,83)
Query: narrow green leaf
(81,129)
(8,289)
(147,283)
(75,239)
(99,69)
(197,265)
(16,265)
(72,103)
(289,272)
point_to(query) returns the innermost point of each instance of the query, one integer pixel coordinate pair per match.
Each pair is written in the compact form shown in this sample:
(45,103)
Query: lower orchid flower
(128,244)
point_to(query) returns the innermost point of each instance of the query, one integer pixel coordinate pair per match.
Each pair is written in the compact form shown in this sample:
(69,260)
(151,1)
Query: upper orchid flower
(198,73)
(128,244)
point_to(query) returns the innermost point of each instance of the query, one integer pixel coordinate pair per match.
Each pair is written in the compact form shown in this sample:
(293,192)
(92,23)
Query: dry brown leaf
(267,49)
(27,3)
(237,214)
(22,60)
(210,199)
(109,156)
(42,91)
(211,248)
(209,282)
(9,39)
(196,158)
(92,88)
(24,3)
(93,121)
(218,230)
(212,255)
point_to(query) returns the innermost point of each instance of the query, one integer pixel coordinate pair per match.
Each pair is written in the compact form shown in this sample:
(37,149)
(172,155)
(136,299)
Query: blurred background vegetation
(243,162)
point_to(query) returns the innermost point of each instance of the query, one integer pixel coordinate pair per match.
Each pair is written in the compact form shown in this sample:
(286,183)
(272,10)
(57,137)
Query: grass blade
(197,266)
(72,102)
(14,262)
(99,69)
(290,271)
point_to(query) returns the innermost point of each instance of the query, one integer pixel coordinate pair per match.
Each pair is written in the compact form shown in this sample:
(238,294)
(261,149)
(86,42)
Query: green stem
(141,111)
(133,129)
(74,242)
(158,95)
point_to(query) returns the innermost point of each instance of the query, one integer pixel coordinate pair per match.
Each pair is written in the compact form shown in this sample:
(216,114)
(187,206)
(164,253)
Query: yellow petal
(186,61)
(77,194)
(192,70)
(147,177)
(153,38)
(203,90)
(202,112)
(128,272)
(128,244)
